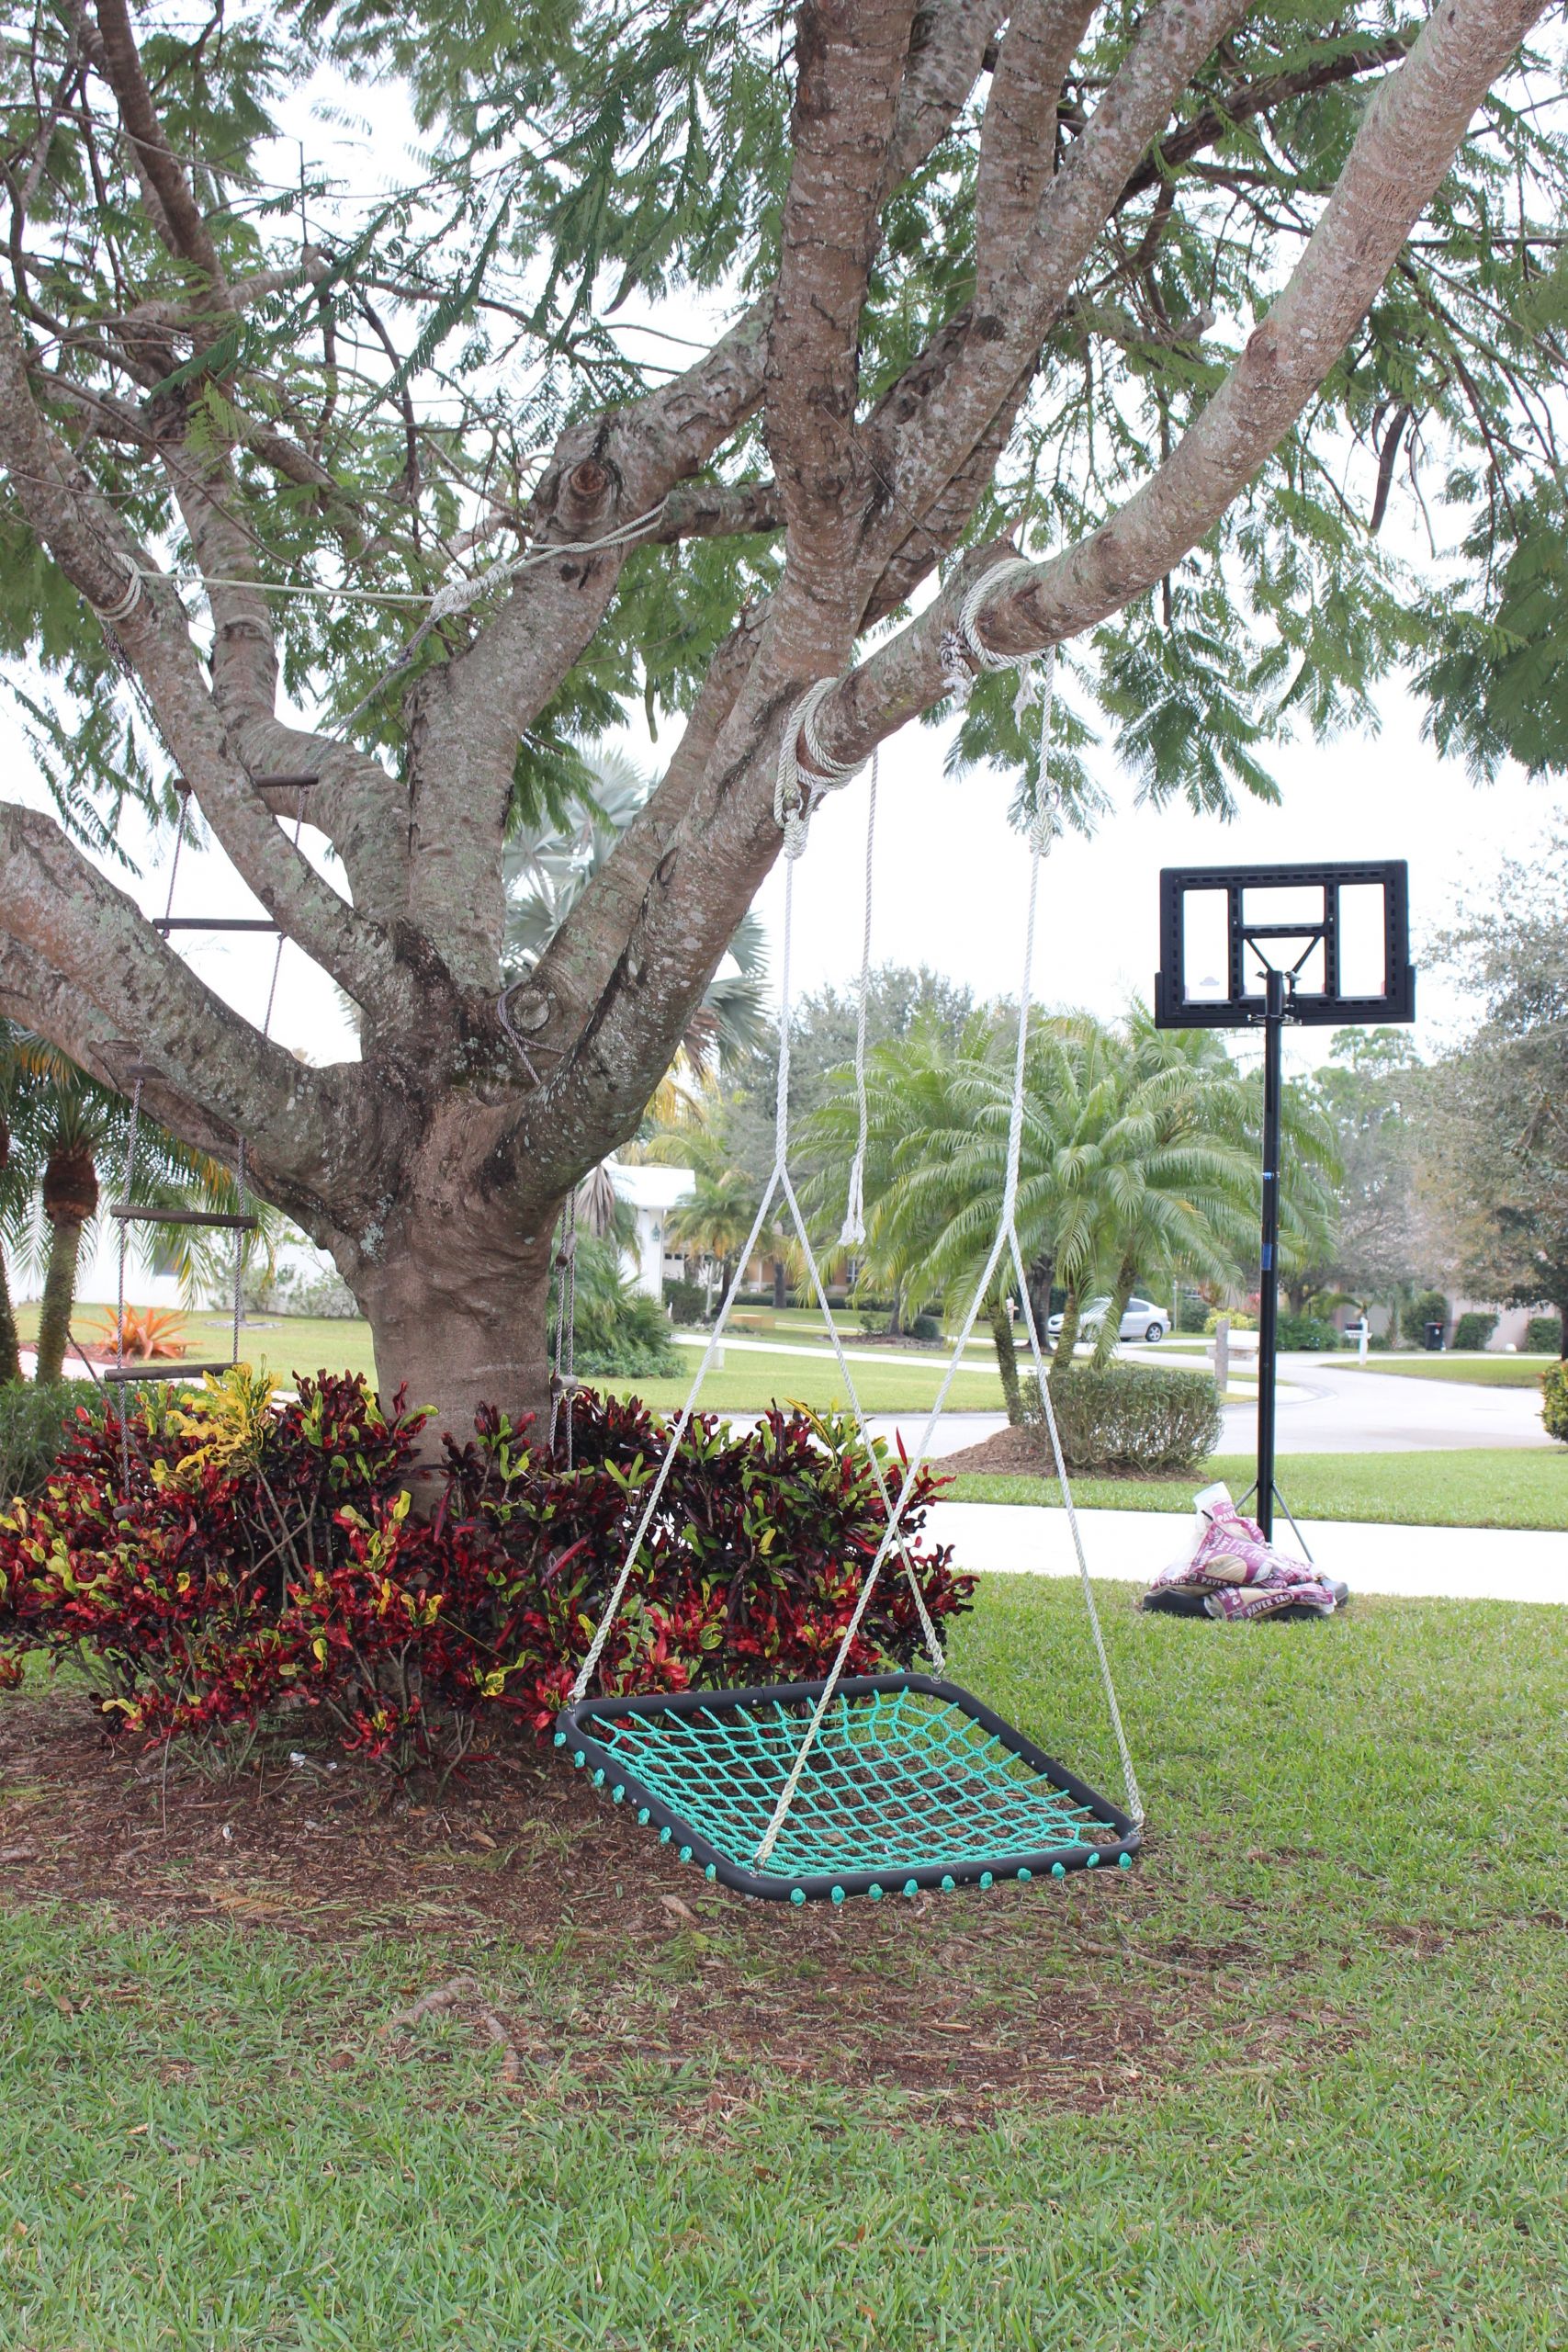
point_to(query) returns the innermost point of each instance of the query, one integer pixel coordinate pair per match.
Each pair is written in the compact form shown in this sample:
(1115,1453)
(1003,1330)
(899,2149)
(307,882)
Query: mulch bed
(1026,1453)
(973,2003)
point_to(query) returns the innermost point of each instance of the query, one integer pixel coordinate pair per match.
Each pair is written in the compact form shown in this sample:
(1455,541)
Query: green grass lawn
(1305,2089)
(1483,1372)
(1479,1486)
(748,1379)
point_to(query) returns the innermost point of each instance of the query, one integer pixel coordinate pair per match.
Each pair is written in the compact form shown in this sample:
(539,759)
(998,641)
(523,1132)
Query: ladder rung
(214,922)
(159,1368)
(286,783)
(129,1213)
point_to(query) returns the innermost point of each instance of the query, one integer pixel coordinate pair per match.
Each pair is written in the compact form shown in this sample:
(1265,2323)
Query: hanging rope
(1045,826)
(795,792)
(851,1234)
(563,1377)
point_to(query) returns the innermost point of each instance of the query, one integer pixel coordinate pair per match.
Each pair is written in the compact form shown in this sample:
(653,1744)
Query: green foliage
(1312,1333)
(1121,1416)
(621,1332)
(1473,1329)
(687,1302)
(1426,1307)
(1498,683)
(582,163)
(1236,1316)
(1554,1409)
(1543,1335)
(33,1422)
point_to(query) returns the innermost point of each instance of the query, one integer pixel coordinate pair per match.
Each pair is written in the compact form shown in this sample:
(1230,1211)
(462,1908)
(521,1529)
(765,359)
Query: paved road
(1433,1563)
(1325,1412)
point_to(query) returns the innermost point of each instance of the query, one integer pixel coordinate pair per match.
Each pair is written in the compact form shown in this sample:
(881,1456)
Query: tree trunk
(10,1361)
(1111,1330)
(468,1331)
(781,1286)
(1007,1358)
(1069,1337)
(59,1296)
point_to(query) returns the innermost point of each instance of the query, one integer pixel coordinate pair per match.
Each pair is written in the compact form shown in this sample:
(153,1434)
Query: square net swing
(911,1783)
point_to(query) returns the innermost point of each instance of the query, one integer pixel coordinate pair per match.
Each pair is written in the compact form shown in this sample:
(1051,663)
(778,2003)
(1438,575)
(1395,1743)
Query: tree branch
(101,979)
(1246,100)
(465,715)
(171,202)
(927,423)
(1018,137)
(948,42)
(1407,144)
(850,58)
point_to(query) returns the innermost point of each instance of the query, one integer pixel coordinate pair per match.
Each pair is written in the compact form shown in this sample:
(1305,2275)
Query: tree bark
(59,1297)
(1111,1330)
(1007,1358)
(781,1286)
(462,1322)
(10,1358)
(1062,1355)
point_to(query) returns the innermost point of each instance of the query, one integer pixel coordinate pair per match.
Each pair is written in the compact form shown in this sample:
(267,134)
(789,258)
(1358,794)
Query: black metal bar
(1269,1289)
(158,1368)
(129,1213)
(1308,930)
(214,922)
(286,783)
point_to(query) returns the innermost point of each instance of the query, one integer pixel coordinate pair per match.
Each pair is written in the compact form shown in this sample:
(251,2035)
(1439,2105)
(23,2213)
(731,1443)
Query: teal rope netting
(897,1781)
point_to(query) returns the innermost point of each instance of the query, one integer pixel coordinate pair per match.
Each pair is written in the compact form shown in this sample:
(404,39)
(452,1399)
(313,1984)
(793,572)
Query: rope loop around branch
(126,602)
(798,790)
(966,654)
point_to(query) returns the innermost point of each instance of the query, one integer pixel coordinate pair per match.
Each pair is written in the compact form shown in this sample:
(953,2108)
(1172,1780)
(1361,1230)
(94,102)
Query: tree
(65,1126)
(1131,1161)
(1123,275)
(1497,1140)
(1374,1094)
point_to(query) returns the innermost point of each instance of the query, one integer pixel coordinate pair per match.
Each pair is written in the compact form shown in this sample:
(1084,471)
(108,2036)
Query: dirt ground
(971,2001)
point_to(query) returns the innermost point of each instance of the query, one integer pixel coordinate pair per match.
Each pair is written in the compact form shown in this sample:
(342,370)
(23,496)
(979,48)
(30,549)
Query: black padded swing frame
(609,1769)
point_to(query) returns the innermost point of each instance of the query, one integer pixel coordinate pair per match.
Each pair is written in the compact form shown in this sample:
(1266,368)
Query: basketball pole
(1269,1286)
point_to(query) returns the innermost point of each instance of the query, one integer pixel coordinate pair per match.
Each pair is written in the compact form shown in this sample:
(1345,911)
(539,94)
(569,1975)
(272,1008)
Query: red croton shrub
(267,1558)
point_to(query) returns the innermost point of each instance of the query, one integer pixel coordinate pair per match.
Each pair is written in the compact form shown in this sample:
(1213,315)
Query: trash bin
(1434,1339)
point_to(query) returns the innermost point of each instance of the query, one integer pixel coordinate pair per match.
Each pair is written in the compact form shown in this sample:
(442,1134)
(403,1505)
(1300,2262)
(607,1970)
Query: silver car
(1141,1320)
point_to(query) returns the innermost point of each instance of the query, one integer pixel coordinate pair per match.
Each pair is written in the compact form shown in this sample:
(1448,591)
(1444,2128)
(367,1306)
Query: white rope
(798,790)
(778,1180)
(852,1234)
(126,602)
(1045,829)
(453,597)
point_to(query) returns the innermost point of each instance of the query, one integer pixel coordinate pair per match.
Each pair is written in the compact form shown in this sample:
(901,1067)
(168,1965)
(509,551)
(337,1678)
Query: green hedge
(1473,1329)
(1554,1412)
(1309,1331)
(1125,1418)
(1543,1336)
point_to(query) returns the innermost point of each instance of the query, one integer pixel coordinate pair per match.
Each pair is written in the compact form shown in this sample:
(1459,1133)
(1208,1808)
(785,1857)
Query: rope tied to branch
(965,652)
(125,603)
(797,791)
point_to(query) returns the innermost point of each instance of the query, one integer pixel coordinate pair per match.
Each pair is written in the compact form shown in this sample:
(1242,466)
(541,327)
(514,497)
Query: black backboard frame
(1243,1007)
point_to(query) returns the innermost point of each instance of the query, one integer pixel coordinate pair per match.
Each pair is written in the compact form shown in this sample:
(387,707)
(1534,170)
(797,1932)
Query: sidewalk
(1416,1563)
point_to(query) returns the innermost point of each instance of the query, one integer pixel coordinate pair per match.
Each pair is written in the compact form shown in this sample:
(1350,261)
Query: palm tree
(69,1124)
(716,1219)
(1130,1161)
